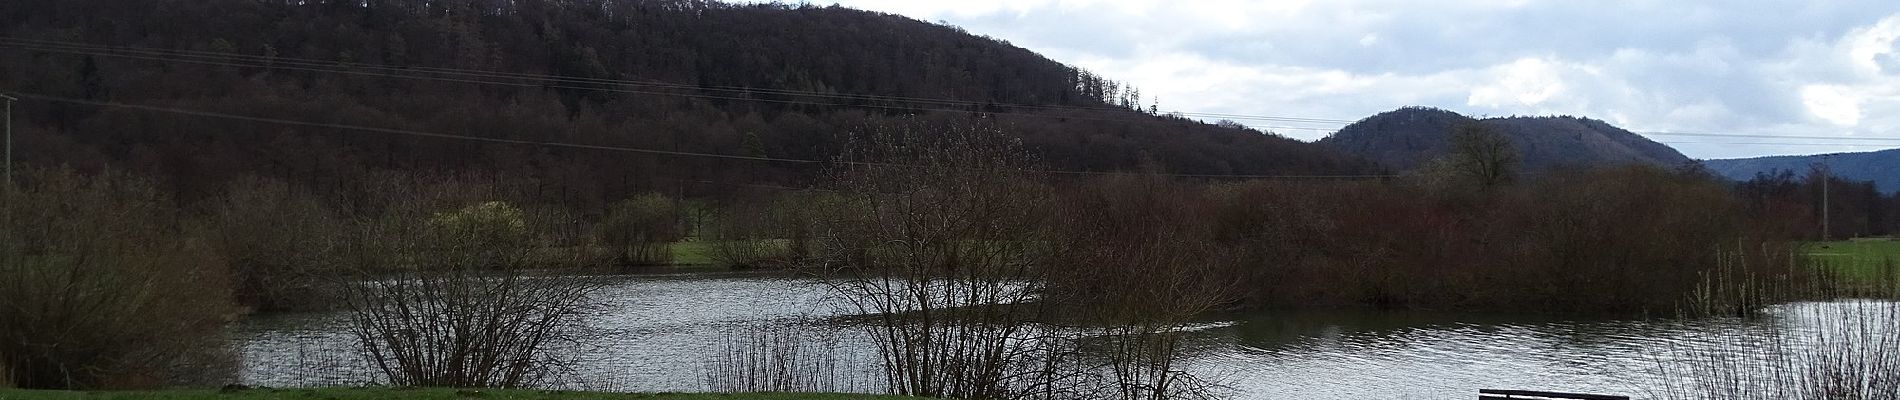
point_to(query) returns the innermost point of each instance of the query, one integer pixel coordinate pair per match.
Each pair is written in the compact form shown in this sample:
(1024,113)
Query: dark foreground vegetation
(945,231)
(411,394)
(983,239)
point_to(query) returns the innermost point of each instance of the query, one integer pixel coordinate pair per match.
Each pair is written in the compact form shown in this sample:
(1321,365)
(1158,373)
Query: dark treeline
(142,227)
(1150,252)
(1850,208)
(723,70)
(1527,247)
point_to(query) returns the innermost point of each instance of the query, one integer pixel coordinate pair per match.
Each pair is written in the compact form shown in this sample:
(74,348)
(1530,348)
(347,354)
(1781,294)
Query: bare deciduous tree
(935,239)
(1482,155)
(445,300)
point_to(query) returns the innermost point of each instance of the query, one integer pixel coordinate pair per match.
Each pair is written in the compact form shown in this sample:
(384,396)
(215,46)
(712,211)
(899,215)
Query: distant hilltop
(1880,167)
(1407,138)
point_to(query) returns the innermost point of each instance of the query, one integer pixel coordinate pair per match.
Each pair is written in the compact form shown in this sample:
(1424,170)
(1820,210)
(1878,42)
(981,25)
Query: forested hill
(1880,167)
(762,81)
(1410,137)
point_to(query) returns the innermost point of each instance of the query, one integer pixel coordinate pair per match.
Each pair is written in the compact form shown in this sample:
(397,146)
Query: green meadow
(1864,259)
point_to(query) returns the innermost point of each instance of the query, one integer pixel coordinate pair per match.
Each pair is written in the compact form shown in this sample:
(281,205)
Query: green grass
(407,394)
(701,252)
(1864,260)
(692,253)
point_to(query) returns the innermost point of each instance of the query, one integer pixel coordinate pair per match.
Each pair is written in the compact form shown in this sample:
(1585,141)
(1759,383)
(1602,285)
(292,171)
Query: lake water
(662,331)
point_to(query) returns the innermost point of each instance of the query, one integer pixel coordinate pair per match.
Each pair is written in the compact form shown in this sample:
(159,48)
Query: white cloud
(1369,40)
(1848,83)
(1871,47)
(1836,104)
(1758,67)
(1526,82)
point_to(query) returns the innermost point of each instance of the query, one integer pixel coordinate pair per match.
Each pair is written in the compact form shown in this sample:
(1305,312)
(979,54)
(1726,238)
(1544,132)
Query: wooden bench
(1500,394)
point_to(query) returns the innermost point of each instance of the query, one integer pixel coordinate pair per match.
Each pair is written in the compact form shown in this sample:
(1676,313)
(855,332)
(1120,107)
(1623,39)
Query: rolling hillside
(748,83)
(1880,167)
(1406,138)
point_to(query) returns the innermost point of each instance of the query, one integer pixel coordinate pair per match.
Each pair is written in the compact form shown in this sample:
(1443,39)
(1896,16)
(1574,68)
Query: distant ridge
(748,80)
(1881,167)
(1409,137)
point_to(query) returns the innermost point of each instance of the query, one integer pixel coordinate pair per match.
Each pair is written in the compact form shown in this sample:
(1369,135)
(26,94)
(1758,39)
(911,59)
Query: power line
(1790,144)
(312,65)
(569,82)
(1758,136)
(574,83)
(595,88)
(622,148)
(397,131)
(437,135)
(219,57)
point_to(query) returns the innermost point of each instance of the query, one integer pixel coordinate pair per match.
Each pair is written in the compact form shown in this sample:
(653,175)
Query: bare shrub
(779,357)
(640,230)
(102,287)
(741,239)
(443,299)
(1817,351)
(1845,345)
(1639,239)
(1137,255)
(466,328)
(564,239)
(761,233)
(942,252)
(281,242)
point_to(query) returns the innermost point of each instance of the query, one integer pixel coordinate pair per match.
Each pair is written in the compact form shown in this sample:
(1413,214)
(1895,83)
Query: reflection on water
(1360,354)
(661,330)
(656,333)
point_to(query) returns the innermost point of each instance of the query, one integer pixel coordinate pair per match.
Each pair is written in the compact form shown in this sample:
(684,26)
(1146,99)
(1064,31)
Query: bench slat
(1503,394)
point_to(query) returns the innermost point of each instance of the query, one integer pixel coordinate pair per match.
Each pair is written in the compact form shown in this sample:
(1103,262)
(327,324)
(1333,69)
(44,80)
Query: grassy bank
(1862,260)
(692,253)
(706,253)
(407,394)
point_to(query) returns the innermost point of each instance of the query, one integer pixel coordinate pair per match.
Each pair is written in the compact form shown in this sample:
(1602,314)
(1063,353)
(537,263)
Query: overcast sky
(1782,68)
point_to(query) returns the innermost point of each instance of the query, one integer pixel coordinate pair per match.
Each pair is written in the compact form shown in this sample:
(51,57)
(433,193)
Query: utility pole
(9,100)
(1827,174)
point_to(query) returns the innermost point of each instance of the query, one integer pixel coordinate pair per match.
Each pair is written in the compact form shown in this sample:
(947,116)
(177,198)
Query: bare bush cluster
(1844,350)
(1639,239)
(102,285)
(1841,342)
(637,231)
(466,328)
(282,242)
(1127,260)
(782,357)
(955,257)
(975,267)
(944,256)
(445,298)
(762,233)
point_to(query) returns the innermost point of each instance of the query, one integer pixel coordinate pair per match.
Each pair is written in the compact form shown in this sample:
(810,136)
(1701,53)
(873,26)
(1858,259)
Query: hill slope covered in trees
(1408,138)
(765,85)
(1880,167)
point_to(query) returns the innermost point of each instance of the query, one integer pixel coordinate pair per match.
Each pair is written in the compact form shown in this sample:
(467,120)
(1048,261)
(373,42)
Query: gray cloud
(1758,67)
